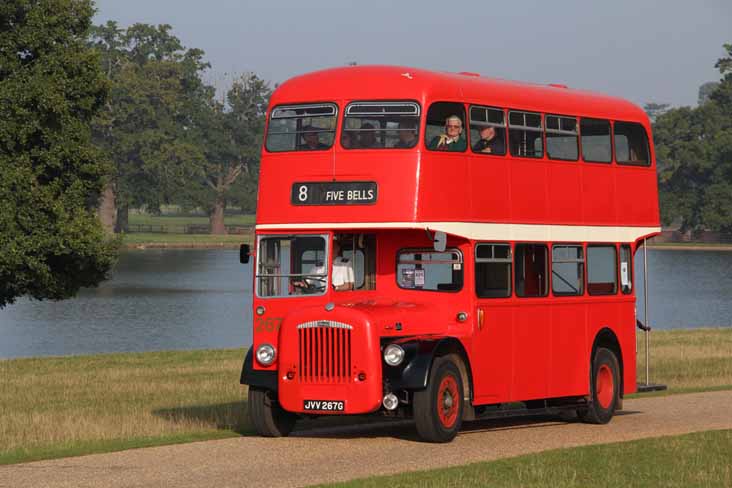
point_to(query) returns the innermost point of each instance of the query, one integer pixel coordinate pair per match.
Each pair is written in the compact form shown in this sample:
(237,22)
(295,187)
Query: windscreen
(292,265)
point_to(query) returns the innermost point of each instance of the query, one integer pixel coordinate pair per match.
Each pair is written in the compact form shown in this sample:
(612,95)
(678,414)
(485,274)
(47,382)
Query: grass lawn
(180,240)
(56,407)
(138,218)
(699,459)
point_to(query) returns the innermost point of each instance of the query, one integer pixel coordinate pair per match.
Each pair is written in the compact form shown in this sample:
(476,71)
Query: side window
(531,270)
(626,269)
(379,125)
(493,270)
(301,127)
(488,130)
(561,138)
(631,144)
(602,274)
(360,251)
(445,129)
(595,134)
(525,134)
(568,270)
(430,270)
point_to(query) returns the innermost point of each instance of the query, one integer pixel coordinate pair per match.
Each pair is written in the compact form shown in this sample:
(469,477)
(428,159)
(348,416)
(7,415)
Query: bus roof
(400,82)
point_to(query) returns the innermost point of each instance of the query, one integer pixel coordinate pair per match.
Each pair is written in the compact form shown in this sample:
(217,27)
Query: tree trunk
(123,221)
(216,219)
(107,209)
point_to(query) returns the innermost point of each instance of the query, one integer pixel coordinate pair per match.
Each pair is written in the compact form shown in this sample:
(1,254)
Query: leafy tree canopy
(694,151)
(51,85)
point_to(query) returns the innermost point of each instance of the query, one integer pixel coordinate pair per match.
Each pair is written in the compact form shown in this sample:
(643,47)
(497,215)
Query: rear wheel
(438,409)
(267,416)
(604,388)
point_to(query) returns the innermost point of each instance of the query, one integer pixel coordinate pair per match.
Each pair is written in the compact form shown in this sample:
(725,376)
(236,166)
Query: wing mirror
(244,253)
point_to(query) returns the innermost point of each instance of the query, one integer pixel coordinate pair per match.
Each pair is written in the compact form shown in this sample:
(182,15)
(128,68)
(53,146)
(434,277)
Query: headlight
(266,354)
(393,354)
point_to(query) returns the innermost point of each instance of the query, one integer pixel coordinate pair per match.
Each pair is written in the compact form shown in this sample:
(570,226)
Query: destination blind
(334,193)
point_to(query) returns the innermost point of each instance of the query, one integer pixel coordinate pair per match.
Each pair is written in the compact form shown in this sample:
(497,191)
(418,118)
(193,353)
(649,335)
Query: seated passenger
(452,139)
(367,136)
(311,136)
(489,142)
(347,139)
(407,135)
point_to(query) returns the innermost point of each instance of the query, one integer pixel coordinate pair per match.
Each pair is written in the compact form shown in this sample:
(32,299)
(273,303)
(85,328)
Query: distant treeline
(694,156)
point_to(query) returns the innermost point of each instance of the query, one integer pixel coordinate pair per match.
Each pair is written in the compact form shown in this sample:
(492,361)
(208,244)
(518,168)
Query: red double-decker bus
(440,245)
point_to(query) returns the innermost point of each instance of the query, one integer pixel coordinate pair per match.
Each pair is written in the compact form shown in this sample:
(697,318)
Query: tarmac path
(337,454)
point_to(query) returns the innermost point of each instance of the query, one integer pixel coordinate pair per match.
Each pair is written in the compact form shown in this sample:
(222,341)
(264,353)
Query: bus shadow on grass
(231,416)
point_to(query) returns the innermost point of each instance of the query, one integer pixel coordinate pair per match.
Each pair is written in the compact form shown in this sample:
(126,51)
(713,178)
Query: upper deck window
(631,144)
(301,127)
(380,125)
(525,134)
(595,134)
(445,129)
(488,130)
(561,138)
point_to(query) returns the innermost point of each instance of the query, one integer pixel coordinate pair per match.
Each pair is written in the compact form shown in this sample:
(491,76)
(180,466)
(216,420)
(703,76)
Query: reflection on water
(156,299)
(194,299)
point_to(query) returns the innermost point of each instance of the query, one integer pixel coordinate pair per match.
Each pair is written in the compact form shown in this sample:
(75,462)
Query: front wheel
(438,409)
(267,416)
(604,388)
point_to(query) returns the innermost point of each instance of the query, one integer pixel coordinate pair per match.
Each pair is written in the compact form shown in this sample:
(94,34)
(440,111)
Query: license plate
(324,405)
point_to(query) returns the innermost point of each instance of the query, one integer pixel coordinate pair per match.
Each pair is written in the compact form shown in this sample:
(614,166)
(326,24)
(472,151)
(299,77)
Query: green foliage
(694,153)
(229,135)
(156,92)
(51,242)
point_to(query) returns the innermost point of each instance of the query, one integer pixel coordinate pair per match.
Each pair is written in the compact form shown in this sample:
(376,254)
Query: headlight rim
(400,355)
(263,347)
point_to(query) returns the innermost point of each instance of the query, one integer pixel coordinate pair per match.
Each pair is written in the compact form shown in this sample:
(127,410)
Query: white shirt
(342,271)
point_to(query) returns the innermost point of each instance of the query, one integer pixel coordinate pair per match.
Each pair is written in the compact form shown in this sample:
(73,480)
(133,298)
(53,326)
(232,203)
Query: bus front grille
(325,352)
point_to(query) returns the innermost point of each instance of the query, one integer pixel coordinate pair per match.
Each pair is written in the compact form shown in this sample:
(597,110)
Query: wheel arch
(609,340)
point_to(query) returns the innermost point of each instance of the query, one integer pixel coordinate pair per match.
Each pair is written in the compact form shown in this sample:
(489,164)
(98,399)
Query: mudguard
(413,373)
(252,377)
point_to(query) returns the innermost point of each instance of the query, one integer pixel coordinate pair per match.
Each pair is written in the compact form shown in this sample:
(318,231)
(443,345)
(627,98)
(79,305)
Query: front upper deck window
(380,125)
(292,265)
(430,270)
(301,127)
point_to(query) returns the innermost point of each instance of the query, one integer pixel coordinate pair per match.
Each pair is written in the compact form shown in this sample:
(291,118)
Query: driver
(343,278)
(311,284)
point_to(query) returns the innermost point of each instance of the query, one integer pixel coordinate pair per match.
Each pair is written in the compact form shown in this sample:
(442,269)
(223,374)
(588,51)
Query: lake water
(199,299)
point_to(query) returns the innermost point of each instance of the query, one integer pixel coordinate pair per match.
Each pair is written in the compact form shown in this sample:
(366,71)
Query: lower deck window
(493,270)
(602,270)
(289,266)
(430,270)
(568,270)
(531,270)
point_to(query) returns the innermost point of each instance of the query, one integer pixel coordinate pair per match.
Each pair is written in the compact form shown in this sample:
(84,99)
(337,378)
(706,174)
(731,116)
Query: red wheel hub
(448,401)
(605,386)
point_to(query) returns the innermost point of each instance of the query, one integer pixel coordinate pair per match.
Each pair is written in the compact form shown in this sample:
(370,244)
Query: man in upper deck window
(452,139)
(312,139)
(489,141)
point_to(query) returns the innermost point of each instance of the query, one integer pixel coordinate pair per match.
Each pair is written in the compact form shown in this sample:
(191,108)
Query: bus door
(532,337)
(493,334)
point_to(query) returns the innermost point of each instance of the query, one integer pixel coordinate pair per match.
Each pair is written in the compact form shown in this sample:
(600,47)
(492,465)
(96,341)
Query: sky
(644,51)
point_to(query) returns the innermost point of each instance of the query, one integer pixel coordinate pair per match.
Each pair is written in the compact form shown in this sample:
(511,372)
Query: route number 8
(302,193)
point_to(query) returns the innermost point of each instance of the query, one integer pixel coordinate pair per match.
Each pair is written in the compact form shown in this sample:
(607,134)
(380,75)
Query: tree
(51,85)
(705,90)
(229,137)
(654,110)
(694,150)
(144,127)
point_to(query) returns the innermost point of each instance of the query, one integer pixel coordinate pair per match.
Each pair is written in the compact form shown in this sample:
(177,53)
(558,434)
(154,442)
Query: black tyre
(604,388)
(267,416)
(438,409)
